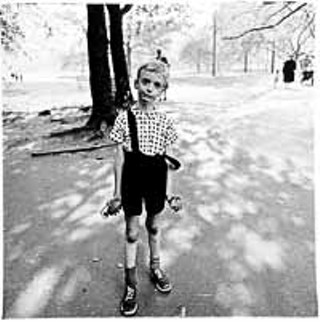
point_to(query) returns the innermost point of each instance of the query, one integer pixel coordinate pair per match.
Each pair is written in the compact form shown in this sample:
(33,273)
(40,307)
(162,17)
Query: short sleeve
(117,133)
(171,133)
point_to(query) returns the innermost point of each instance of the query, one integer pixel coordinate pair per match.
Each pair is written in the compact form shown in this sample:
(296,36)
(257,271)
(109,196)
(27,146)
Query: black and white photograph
(159,159)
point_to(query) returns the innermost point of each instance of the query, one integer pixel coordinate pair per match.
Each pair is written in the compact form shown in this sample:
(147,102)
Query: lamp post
(273,56)
(214,44)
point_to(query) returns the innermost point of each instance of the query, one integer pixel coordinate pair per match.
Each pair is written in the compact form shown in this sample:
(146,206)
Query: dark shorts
(143,178)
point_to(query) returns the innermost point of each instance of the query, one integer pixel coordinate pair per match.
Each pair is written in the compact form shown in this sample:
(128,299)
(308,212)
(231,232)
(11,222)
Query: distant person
(144,135)
(276,79)
(306,63)
(164,60)
(288,70)
(14,76)
(307,70)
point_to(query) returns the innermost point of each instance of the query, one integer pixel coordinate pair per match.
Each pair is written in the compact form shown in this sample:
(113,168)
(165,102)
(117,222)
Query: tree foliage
(290,24)
(197,50)
(11,31)
(251,33)
(32,32)
(153,25)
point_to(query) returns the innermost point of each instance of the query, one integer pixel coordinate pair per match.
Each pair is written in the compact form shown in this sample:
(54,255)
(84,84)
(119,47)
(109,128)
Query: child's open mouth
(146,97)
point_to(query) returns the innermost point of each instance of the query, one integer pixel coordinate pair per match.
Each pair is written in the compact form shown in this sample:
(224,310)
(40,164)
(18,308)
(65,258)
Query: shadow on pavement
(243,245)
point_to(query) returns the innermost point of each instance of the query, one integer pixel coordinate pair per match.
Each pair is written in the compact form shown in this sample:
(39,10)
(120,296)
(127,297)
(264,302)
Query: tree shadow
(58,249)
(247,222)
(236,249)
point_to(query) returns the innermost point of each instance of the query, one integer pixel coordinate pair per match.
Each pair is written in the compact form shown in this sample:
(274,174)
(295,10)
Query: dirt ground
(244,243)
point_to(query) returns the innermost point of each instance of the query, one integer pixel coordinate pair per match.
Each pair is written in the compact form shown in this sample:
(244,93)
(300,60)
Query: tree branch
(266,3)
(71,149)
(266,27)
(285,6)
(307,26)
(312,31)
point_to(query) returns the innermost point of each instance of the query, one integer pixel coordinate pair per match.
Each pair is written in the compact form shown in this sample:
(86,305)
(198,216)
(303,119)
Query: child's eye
(145,81)
(157,85)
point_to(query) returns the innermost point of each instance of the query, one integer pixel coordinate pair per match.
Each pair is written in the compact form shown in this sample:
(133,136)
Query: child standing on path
(141,174)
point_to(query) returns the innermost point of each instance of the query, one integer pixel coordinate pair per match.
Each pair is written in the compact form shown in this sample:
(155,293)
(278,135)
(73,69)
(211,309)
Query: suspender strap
(174,163)
(133,131)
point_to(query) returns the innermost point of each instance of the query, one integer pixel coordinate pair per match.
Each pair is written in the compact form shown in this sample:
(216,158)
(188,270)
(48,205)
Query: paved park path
(244,243)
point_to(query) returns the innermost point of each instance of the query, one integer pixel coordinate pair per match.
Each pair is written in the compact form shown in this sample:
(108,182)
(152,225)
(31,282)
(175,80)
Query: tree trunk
(246,54)
(214,45)
(123,97)
(198,67)
(199,61)
(100,81)
(273,57)
(129,64)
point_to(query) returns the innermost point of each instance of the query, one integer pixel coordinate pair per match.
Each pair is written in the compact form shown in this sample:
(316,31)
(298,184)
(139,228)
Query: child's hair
(156,67)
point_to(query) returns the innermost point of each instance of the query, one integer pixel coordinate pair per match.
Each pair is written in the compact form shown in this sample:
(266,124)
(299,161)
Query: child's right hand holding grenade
(112,207)
(175,202)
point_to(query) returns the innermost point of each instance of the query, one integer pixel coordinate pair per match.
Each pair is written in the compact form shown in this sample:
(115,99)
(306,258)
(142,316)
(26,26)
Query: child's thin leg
(129,304)
(153,228)
(158,276)
(131,245)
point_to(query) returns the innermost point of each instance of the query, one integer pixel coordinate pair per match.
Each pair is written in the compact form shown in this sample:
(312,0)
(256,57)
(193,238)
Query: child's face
(150,86)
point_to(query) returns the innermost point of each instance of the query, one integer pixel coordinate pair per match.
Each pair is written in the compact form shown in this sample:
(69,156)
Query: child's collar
(136,107)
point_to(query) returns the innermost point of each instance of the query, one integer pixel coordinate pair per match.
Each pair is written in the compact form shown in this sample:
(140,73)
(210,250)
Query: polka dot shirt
(155,131)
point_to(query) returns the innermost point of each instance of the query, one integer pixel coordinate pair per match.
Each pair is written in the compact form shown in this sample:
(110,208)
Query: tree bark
(246,58)
(214,45)
(273,57)
(123,97)
(100,81)
(129,64)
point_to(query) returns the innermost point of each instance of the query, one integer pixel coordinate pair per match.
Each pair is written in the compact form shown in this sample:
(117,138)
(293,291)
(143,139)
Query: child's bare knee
(152,227)
(132,235)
